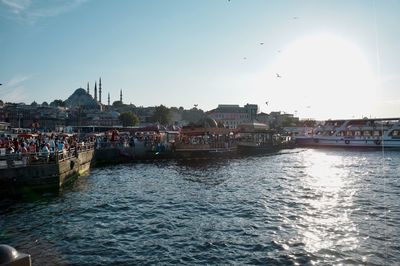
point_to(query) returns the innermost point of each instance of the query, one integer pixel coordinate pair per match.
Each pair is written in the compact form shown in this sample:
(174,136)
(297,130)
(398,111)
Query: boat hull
(230,152)
(254,150)
(348,143)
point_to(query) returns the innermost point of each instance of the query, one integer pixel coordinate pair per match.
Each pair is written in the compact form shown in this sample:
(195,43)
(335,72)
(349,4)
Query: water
(301,207)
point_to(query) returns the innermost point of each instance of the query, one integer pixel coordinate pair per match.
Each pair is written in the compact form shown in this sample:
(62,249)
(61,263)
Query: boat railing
(114,144)
(205,146)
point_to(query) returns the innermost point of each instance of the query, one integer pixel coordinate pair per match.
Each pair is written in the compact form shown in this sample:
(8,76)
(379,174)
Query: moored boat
(205,140)
(355,133)
(257,138)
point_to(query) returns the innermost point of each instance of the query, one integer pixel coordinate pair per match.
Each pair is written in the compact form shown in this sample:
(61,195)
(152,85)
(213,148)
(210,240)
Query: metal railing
(36,158)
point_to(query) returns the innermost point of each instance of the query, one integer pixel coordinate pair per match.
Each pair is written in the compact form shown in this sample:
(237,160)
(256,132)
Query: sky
(315,59)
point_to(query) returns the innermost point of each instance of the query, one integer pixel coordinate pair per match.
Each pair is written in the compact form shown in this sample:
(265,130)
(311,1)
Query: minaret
(108,99)
(100,90)
(120,96)
(88,88)
(95,91)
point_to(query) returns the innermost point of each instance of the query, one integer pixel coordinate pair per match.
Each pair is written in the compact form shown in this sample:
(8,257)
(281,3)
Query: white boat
(372,133)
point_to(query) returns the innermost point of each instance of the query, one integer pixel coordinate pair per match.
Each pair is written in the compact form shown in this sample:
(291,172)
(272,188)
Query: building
(279,120)
(34,116)
(232,115)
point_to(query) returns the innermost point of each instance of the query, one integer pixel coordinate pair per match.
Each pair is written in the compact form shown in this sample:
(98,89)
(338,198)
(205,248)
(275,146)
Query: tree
(193,115)
(161,115)
(128,119)
(45,104)
(57,103)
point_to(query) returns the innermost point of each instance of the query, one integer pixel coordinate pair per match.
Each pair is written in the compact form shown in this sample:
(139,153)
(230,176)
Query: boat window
(376,133)
(349,133)
(341,133)
(366,133)
(357,133)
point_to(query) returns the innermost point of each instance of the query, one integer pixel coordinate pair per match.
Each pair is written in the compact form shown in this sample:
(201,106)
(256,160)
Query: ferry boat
(257,138)
(358,133)
(205,140)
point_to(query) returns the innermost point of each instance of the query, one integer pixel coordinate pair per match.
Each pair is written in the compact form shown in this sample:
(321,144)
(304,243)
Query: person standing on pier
(46,152)
(24,151)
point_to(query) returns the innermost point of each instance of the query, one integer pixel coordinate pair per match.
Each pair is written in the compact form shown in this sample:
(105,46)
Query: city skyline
(331,59)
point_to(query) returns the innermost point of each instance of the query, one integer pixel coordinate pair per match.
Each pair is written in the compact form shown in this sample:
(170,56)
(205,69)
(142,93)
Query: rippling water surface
(299,207)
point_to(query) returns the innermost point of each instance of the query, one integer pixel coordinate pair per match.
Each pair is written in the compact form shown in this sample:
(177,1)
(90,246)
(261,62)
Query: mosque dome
(80,98)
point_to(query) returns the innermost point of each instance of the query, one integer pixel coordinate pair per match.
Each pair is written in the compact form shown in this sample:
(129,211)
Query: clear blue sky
(335,59)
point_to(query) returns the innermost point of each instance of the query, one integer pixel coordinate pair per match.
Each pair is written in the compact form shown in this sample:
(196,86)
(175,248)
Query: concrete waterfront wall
(15,181)
(20,180)
(71,168)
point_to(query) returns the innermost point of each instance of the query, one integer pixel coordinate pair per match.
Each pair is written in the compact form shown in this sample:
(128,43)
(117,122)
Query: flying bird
(261,43)
(266,103)
(244,58)
(278,76)
(295,17)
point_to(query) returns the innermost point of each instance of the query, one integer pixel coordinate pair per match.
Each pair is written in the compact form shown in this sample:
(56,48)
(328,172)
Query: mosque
(84,100)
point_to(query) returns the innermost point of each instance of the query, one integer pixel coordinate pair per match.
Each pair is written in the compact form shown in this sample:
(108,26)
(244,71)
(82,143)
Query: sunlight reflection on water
(323,207)
(326,213)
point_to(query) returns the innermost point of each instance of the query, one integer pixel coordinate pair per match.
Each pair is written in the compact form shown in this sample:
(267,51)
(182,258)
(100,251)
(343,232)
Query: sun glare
(323,76)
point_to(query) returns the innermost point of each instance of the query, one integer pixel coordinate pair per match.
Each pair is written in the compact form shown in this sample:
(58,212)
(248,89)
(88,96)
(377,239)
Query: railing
(114,144)
(206,146)
(37,158)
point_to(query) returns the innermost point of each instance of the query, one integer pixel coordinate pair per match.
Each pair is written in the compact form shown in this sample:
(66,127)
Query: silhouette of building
(100,90)
(95,91)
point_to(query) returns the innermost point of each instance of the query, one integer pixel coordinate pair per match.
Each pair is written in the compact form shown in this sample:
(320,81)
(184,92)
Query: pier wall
(44,176)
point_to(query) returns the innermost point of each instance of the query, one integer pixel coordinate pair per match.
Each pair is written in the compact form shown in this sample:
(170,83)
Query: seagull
(278,76)
(196,105)
(261,43)
(266,103)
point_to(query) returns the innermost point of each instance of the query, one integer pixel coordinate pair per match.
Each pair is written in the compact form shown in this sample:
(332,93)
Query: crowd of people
(37,147)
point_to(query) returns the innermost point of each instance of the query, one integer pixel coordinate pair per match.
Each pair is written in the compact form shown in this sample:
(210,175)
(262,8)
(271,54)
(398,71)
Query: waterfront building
(232,115)
(279,120)
(263,118)
(34,116)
